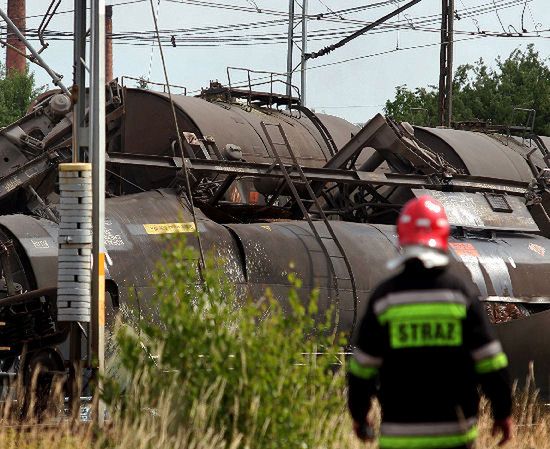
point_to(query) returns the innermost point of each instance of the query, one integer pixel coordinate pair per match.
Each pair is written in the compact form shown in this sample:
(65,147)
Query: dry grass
(157,430)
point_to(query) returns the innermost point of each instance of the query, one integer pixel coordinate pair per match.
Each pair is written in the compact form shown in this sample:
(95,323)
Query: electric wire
(180,143)
(152,46)
(244,83)
(324,16)
(266,38)
(71,11)
(199,35)
(279,39)
(467,12)
(523,15)
(122,178)
(327,7)
(418,24)
(385,52)
(501,4)
(498,16)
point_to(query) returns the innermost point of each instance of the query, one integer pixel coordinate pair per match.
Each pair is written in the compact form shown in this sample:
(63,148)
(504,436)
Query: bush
(251,367)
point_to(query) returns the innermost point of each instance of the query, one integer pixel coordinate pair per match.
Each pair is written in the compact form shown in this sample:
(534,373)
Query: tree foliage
(17,90)
(252,367)
(488,94)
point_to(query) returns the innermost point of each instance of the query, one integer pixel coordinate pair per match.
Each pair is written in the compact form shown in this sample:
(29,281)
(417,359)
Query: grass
(159,429)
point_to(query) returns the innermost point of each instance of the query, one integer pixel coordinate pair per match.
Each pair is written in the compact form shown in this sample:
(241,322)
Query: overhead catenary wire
(71,11)
(196,36)
(238,41)
(180,143)
(244,83)
(326,6)
(360,32)
(277,38)
(333,16)
(199,36)
(394,50)
(267,40)
(498,16)
(151,54)
(323,16)
(418,21)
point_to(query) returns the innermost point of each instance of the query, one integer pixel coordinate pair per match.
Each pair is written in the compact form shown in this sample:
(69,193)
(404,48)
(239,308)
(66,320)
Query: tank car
(274,185)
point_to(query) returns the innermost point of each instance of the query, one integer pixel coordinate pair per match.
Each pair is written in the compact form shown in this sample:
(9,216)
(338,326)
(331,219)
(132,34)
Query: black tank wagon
(273,183)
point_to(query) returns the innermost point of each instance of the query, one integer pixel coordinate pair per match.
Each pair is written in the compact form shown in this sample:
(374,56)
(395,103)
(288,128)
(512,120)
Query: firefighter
(425,345)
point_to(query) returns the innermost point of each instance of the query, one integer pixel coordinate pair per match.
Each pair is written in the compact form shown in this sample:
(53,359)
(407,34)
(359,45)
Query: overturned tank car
(272,183)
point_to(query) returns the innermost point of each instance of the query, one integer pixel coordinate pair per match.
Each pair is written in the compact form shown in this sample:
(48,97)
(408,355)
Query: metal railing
(145,82)
(269,78)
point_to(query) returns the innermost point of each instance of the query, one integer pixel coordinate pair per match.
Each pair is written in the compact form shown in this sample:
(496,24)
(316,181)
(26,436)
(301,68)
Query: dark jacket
(423,347)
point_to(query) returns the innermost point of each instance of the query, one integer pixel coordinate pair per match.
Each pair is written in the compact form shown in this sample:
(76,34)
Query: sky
(352,82)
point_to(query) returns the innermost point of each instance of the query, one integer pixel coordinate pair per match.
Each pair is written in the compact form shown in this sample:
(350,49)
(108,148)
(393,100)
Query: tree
(482,93)
(17,90)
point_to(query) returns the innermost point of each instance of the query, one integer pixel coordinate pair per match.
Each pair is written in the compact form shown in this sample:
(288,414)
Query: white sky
(355,90)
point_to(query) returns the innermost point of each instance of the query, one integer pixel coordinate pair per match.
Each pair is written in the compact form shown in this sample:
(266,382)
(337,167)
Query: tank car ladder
(321,239)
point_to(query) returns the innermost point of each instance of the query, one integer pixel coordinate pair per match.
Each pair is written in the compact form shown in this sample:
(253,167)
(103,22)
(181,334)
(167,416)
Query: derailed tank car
(273,184)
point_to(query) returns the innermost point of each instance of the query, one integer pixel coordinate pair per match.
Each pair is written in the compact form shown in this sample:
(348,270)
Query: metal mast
(80,131)
(298,41)
(290,48)
(303,60)
(446,63)
(80,154)
(97,145)
(89,147)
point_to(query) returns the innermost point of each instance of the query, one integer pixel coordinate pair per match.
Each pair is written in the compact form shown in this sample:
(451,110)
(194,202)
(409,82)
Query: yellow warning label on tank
(169,228)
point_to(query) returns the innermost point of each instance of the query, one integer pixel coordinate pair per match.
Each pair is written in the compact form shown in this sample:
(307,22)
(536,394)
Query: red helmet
(423,221)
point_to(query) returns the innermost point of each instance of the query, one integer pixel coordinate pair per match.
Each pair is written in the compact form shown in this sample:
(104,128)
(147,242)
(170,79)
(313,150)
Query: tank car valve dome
(60,105)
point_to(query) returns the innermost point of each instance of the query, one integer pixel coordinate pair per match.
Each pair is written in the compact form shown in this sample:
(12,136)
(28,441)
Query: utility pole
(290,48)
(299,42)
(97,145)
(80,155)
(80,127)
(82,300)
(446,63)
(303,61)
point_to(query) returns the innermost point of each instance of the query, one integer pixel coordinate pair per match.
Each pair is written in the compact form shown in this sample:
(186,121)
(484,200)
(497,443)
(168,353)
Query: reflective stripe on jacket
(423,347)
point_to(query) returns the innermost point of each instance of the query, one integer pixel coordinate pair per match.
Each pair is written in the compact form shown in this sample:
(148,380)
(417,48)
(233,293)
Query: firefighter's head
(423,222)
(423,231)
